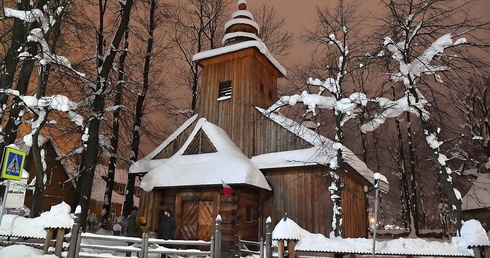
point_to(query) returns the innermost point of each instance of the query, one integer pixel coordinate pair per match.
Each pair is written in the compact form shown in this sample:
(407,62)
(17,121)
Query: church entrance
(196,212)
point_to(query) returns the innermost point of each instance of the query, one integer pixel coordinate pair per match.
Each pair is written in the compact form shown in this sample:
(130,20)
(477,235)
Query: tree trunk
(135,142)
(9,64)
(106,207)
(414,208)
(104,65)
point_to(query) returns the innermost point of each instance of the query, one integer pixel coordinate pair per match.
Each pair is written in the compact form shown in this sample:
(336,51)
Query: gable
(227,163)
(478,197)
(200,144)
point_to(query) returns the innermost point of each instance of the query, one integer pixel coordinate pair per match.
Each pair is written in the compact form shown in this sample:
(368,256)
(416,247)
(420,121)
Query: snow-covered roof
(227,164)
(310,242)
(148,163)
(323,152)
(245,19)
(239,46)
(58,217)
(25,146)
(478,196)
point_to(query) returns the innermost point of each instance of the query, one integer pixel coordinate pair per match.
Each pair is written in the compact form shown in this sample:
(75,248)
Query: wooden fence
(142,246)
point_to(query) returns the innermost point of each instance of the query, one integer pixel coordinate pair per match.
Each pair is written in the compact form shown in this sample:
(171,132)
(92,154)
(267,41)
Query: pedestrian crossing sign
(13,163)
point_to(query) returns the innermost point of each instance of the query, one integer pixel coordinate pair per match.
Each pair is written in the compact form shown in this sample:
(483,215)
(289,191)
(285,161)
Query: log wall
(302,193)
(196,210)
(254,83)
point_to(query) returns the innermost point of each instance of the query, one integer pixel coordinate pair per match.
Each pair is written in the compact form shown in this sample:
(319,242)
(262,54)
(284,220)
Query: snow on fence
(473,242)
(94,245)
(264,248)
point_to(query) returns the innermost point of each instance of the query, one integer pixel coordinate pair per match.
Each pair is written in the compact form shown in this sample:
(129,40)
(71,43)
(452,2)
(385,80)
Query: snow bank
(472,234)
(58,217)
(21,251)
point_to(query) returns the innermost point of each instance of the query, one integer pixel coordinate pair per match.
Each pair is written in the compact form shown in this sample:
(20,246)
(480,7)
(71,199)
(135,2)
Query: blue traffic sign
(13,163)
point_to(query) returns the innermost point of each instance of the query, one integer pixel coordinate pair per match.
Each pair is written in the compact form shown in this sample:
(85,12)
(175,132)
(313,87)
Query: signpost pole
(12,165)
(376,197)
(4,200)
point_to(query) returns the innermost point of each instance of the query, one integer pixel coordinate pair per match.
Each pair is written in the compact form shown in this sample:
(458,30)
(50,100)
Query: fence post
(74,237)
(239,246)
(211,247)
(79,240)
(268,238)
(144,246)
(217,238)
(261,250)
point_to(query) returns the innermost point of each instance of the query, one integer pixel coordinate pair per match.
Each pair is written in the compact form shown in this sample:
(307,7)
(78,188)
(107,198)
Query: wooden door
(197,220)
(188,228)
(205,221)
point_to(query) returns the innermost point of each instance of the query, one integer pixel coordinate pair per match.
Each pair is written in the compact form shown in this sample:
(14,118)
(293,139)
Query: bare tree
(271,32)
(105,60)
(156,14)
(335,33)
(195,26)
(420,35)
(474,104)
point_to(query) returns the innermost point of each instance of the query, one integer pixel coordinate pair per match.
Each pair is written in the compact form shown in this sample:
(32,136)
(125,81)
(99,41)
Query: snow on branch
(312,101)
(41,107)
(421,64)
(394,108)
(29,16)
(37,35)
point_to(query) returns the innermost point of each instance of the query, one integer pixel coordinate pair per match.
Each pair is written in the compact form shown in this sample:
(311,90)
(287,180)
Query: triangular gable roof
(478,197)
(148,162)
(228,164)
(68,167)
(324,151)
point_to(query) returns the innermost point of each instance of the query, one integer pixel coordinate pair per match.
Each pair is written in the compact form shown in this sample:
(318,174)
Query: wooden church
(273,164)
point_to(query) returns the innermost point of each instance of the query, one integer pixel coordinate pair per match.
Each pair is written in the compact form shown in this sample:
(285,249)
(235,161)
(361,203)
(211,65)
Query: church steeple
(236,78)
(241,27)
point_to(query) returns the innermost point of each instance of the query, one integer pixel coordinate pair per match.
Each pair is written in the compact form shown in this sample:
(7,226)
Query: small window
(224,90)
(137,191)
(119,188)
(261,87)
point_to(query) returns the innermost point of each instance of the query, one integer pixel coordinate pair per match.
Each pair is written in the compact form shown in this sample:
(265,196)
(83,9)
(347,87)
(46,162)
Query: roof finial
(242,5)
(241,27)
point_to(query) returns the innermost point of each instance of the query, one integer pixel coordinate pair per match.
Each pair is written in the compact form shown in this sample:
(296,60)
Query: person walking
(167,229)
(132,226)
(132,229)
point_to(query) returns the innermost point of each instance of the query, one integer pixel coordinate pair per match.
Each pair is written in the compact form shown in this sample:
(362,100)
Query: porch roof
(227,164)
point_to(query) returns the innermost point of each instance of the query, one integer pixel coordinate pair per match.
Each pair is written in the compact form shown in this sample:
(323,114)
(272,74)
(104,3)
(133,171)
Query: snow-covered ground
(472,234)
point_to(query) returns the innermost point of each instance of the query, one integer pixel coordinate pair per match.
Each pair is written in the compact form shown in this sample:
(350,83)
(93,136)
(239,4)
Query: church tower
(236,78)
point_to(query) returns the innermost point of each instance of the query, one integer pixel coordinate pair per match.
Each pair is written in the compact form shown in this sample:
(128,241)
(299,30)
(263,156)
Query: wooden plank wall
(237,115)
(248,214)
(239,213)
(303,194)
(271,137)
(354,210)
(148,208)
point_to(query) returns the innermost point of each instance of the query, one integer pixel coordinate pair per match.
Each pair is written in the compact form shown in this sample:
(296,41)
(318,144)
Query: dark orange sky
(302,14)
